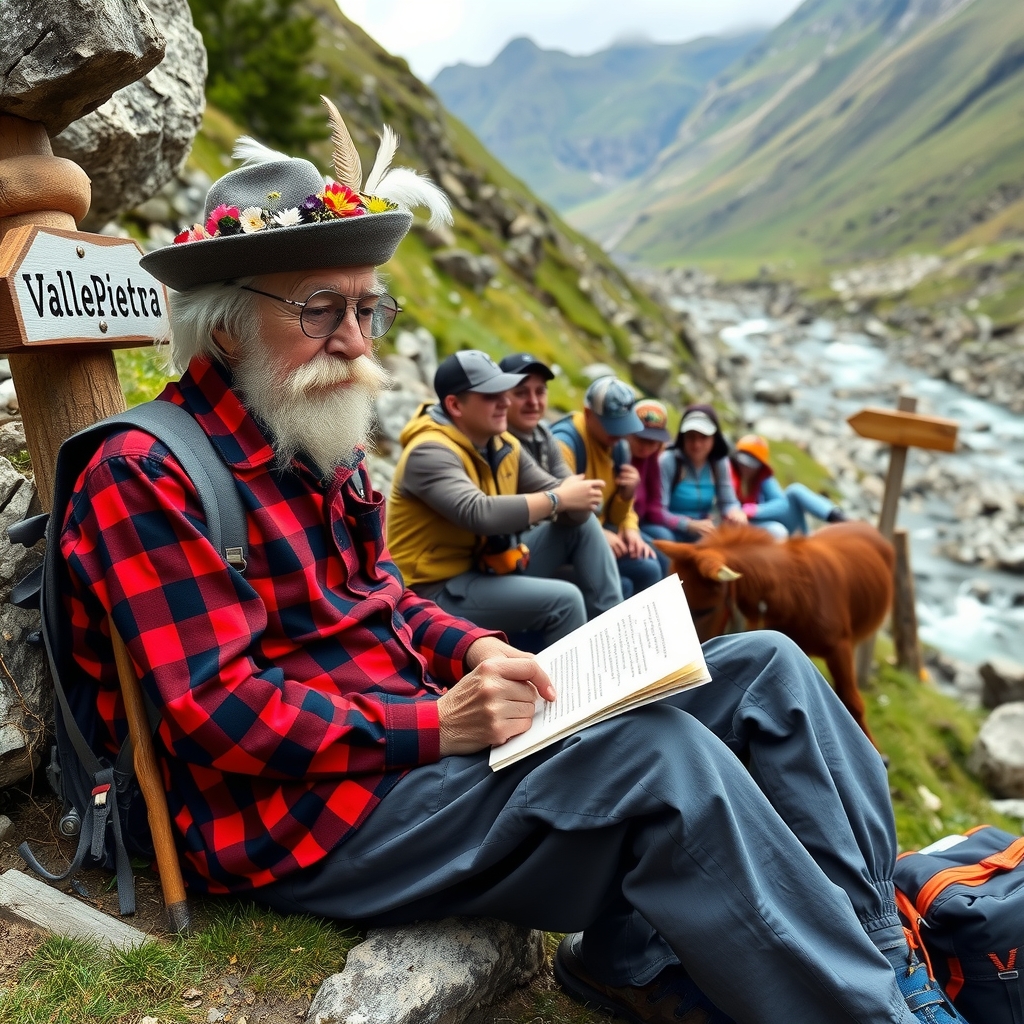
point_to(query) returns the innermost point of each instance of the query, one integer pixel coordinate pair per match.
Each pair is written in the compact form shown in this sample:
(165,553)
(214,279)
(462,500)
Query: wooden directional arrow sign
(905,429)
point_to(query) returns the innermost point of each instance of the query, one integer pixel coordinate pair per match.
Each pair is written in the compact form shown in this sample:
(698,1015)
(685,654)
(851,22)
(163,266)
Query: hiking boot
(671,998)
(837,515)
(926,1000)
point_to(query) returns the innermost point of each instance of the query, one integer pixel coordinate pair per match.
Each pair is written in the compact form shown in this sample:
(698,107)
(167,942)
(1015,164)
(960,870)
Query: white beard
(308,410)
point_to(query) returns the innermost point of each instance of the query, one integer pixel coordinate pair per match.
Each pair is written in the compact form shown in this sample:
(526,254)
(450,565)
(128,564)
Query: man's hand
(577,494)
(636,546)
(495,702)
(491,647)
(702,527)
(616,543)
(627,480)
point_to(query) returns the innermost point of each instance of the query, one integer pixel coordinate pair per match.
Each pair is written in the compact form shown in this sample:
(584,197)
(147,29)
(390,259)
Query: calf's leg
(844,677)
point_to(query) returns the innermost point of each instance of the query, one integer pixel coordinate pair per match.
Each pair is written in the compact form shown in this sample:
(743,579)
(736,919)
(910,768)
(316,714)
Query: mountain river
(803,381)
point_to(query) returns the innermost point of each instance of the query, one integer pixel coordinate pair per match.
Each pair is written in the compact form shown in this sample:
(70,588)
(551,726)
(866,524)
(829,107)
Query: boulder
(1002,681)
(135,142)
(997,757)
(59,61)
(651,373)
(434,972)
(596,370)
(466,267)
(25,687)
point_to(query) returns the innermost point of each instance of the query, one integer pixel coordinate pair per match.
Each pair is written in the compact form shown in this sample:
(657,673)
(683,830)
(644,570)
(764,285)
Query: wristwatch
(553,498)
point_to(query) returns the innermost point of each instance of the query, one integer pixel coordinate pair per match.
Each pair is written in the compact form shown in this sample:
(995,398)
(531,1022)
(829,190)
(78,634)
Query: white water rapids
(968,611)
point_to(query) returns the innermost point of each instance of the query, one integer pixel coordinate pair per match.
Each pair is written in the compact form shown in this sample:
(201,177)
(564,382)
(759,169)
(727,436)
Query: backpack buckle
(99,795)
(235,557)
(1008,975)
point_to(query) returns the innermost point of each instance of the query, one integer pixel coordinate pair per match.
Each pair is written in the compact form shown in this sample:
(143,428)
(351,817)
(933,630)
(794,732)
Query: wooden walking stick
(147,771)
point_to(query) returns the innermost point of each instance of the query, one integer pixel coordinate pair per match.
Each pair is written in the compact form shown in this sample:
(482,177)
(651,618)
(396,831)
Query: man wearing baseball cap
(593,442)
(581,551)
(462,495)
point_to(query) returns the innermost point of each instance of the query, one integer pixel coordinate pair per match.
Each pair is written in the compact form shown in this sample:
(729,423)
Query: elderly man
(324,731)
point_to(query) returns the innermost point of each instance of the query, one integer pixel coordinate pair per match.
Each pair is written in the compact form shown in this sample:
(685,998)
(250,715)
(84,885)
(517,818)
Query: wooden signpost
(66,299)
(902,428)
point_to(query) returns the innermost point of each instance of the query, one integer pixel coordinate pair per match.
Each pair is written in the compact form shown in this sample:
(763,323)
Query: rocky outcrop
(997,757)
(59,61)
(436,972)
(136,142)
(25,687)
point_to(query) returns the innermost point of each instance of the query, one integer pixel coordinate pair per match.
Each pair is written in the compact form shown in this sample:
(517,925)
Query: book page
(614,662)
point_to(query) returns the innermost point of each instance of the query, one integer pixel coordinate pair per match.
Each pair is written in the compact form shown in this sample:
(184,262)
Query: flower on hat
(341,200)
(377,204)
(313,209)
(223,221)
(196,233)
(251,219)
(287,218)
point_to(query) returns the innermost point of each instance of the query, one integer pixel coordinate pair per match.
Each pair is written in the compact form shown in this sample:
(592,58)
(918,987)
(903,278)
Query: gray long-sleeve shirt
(437,476)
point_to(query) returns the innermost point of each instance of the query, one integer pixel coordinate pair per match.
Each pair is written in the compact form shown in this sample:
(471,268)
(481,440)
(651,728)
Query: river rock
(773,392)
(434,972)
(25,687)
(61,60)
(135,142)
(1002,681)
(466,267)
(997,757)
(651,373)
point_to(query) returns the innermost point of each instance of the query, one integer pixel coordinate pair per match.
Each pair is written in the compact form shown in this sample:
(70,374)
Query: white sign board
(69,286)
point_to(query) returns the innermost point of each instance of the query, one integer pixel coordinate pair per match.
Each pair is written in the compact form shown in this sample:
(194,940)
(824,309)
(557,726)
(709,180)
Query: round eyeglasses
(322,313)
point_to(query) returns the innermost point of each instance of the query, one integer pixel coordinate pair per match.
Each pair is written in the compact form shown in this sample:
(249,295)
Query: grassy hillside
(574,127)
(534,301)
(852,131)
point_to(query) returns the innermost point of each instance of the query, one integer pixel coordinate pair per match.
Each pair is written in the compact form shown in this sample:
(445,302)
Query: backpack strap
(183,436)
(565,430)
(179,431)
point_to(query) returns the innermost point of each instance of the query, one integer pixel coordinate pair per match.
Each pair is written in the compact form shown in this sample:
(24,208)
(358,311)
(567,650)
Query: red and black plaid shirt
(293,697)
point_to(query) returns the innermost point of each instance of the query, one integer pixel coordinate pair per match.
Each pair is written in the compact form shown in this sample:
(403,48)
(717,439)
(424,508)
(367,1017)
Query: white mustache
(325,371)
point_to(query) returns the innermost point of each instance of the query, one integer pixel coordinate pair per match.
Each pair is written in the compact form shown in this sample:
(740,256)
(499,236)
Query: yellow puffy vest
(427,547)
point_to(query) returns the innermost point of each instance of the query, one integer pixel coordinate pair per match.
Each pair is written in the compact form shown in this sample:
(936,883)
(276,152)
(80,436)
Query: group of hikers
(532,528)
(722,855)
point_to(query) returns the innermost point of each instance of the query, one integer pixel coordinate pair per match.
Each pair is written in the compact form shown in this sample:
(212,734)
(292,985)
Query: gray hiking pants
(585,550)
(538,601)
(771,883)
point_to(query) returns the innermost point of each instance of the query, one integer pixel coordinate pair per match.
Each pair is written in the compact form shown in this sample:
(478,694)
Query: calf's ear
(672,548)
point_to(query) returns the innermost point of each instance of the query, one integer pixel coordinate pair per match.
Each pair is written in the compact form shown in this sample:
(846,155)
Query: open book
(640,651)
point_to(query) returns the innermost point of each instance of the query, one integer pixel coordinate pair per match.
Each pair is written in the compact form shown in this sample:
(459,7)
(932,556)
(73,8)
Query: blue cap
(611,401)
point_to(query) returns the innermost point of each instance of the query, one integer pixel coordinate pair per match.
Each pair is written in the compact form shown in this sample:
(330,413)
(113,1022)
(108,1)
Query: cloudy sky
(433,33)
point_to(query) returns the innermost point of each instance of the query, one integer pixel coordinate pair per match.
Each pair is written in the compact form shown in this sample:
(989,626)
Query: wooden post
(904,612)
(59,390)
(886,524)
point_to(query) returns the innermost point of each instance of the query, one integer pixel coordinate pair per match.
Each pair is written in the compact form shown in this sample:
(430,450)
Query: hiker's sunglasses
(323,312)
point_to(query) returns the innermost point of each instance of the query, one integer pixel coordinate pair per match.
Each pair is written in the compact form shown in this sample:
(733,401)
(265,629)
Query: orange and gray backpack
(963,897)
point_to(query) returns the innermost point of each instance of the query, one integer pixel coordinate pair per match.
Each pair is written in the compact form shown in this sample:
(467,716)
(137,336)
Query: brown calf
(827,591)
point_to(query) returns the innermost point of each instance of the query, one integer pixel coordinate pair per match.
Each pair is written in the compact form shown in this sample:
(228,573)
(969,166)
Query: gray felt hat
(276,187)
